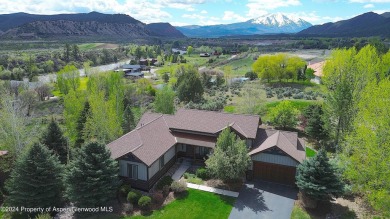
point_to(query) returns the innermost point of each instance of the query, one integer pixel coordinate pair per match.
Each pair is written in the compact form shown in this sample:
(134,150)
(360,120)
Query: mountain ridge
(364,25)
(22,25)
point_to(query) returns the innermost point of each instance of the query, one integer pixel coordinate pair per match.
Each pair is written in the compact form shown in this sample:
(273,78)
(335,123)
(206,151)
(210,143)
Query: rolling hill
(364,25)
(94,24)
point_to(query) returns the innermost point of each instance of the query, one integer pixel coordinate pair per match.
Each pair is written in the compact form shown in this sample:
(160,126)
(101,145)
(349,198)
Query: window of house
(132,171)
(161,162)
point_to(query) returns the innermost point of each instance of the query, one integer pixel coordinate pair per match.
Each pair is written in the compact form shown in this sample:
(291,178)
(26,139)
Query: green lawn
(299,213)
(197,204)
(310,152)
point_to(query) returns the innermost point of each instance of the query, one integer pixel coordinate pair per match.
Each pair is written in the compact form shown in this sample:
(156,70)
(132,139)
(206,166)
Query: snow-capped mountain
(267,24)
(280,20)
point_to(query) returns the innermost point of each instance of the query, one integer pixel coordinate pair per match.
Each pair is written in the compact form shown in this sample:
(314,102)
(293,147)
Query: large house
(147,152)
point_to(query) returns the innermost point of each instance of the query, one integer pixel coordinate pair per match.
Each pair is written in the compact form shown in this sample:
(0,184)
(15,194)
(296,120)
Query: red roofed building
(147,152)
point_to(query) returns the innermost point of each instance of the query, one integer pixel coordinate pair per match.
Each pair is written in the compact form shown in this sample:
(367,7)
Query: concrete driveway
(263,200)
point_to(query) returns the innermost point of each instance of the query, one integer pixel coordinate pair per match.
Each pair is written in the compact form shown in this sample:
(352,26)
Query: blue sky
(203,12)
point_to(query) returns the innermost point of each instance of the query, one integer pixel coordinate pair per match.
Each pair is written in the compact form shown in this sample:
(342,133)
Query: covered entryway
(274,172)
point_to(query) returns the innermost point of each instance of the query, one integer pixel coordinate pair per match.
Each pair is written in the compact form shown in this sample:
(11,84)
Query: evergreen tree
(53,138)
(81,125)
(35,180)
(230,158)
(315,126)
(128,120)
(92,177)
(318,178)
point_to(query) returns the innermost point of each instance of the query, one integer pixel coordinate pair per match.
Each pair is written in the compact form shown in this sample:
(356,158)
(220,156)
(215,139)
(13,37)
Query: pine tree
(35,180)
(55,141)
(318,178)
(81,125)
(128,120)
(92,177)
(315,126)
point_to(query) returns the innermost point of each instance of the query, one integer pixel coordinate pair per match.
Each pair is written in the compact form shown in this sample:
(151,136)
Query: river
(48,78)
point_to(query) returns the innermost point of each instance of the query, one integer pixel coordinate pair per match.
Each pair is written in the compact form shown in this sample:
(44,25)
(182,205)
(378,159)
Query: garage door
(274,172)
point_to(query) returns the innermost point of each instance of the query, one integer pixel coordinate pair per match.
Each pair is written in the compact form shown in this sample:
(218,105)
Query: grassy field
(240,66)
(299,213)
(310,152)
(91,46)
(197,204)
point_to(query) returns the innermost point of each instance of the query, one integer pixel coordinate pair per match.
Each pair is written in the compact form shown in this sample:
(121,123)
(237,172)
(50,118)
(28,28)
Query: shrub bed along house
(133,196)
(144,202)
(202,173)
(179,187)
(165,181)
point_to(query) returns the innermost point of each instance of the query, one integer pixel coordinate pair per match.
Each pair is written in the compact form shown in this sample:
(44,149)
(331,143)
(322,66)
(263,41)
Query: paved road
(264,200)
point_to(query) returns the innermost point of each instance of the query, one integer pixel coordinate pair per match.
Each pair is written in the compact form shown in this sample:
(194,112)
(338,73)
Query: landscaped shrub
(158,197)
(166,180)
(133,196)
(179,186)
(166,189)
(144,202)
(195,180)
(124,189)
(202,173)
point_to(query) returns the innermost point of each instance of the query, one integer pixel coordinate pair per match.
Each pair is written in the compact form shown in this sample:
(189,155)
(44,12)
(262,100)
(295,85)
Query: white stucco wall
(154,168)
(169,154)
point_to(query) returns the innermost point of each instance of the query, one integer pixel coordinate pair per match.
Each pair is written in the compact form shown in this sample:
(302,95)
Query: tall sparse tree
(92,177)
(190,49)
(164,102)
(128,120)
(230,158)
(81,124)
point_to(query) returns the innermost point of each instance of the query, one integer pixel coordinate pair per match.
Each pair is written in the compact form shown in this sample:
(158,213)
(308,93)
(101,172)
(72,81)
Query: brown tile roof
(153,135)
(147,118)
(213,122)
(3,153)
(318,68)
(147,142)
(286,141)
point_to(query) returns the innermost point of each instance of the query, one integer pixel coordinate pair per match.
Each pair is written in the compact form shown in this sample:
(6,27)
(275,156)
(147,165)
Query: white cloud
(257,8)
(370,1)
(272,4)
(368,6)
(231,16)
(313,18)
(145,11)
(203,12)
(193,16)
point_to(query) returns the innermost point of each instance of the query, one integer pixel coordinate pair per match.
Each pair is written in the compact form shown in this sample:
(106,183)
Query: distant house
(147,62)
(204,54)
(179,51)
(318,71)
(134,71)
(146,153)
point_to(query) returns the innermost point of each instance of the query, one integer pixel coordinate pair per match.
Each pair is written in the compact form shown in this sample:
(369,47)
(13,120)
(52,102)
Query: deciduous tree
(230,158)
(284,115)
(164,102)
